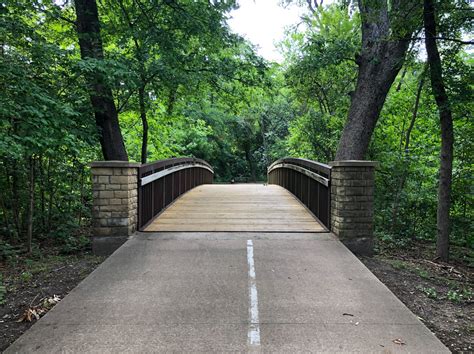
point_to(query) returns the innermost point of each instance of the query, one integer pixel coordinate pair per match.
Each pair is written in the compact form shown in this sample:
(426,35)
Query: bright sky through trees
(263,23)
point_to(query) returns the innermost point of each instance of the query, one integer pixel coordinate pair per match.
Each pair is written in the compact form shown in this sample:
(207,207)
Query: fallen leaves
(398,341)
(35,312)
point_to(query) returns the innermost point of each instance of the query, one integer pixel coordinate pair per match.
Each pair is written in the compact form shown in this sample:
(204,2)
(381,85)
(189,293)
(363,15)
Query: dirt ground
(441,295)
(34,284)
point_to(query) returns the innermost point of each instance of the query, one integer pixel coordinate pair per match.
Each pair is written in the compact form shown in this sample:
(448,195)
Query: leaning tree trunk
(106,116)
(447,134)
(381,58)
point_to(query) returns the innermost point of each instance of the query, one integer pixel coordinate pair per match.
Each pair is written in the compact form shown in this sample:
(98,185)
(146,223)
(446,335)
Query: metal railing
(161,182)
(307,180)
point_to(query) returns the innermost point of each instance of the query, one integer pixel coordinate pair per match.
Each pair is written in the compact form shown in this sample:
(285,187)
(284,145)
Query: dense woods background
(180,83)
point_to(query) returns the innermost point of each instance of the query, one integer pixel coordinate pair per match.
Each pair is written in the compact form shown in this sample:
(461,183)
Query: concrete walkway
(189,292)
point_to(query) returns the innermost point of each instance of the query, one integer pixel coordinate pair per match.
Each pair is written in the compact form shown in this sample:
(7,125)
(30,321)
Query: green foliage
(26,276)
(458,296)
(7,251)
(206,93)
(321,74)
(428,291)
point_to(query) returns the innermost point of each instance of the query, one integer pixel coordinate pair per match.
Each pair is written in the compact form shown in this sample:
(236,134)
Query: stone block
(102,231)
(355,191)
(118,207)
(98,187)
(102,171)
(120,214)
(106,194)
(119,179)
(115,201)
(103,179)
(100,202)
(118,221)
(104,214)
(121,194)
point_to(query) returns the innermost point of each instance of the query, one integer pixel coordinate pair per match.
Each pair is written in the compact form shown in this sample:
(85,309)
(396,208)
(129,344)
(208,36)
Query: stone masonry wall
(115,195)
(352,204)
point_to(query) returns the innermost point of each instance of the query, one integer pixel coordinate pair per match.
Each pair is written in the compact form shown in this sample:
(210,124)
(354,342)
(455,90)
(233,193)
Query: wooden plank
(299,223)
(233,228)
(239,216)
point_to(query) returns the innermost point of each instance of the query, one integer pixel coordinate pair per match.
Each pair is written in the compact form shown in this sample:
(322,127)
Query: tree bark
(141,99)
(106,116)
(31,205)
(447,134)
(381,58)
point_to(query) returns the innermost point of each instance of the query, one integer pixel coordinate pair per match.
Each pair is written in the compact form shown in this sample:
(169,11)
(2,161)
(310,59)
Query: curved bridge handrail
(309,181)
(162,182)
(310,165)
(169,169)
(166,163)
(313,175)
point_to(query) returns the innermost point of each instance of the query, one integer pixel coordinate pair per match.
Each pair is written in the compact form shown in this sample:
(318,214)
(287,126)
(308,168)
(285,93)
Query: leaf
(398,341)
(36,312)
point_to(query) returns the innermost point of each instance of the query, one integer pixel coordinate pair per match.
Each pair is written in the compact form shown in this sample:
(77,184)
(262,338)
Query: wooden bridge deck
(237,207)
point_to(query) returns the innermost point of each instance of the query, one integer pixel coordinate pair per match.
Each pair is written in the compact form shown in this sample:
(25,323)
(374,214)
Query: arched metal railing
(161,182)
(309,181)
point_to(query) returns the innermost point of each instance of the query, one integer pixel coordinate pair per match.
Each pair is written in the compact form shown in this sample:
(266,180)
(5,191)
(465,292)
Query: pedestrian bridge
(236,208)
(231,268)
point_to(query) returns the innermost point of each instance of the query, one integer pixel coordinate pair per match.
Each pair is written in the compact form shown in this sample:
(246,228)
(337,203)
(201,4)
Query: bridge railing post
(352,204)
(114,211)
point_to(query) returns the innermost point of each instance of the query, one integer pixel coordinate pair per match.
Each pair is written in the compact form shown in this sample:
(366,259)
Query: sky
(263,22)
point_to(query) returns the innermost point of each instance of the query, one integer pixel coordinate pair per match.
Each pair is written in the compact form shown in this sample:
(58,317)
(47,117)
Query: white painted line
(254,328)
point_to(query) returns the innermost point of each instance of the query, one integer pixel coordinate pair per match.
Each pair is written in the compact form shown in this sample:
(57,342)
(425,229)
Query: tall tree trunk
(447,134)
(16,208)
(52,191)
(31,205)
(141,100)
(381,58)
(42,192)
(248,157)
(106,116)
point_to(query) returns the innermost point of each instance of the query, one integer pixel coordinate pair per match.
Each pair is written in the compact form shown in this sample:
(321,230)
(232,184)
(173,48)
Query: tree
(105,111)
(386,35)
(321,75)
(447,133)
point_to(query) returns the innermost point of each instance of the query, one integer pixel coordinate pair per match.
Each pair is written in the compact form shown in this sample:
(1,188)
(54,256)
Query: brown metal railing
(309,181)
(161,182)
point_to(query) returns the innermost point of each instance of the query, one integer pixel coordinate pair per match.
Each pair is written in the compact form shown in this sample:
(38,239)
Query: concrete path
(192,292)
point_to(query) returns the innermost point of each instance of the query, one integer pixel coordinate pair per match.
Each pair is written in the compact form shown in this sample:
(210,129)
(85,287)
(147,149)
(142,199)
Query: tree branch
(446,39)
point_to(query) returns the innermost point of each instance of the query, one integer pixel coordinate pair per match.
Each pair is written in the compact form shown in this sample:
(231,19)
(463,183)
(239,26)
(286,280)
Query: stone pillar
(352,204)
(115,204)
